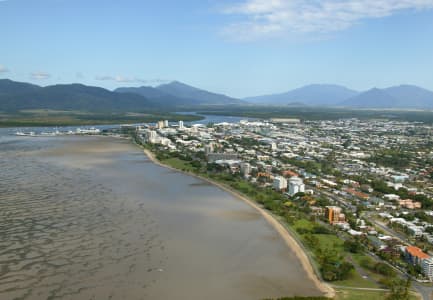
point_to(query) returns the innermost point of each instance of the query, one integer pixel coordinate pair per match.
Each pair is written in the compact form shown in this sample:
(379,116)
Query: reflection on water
(90,218)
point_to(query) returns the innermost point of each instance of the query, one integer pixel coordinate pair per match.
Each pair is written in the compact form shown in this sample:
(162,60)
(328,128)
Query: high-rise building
(280,183)
(415,255)
(165,123)
(296,185)
(181,124)
(160,124)
(152,134)
(208,148)
(334,214)
(427,268)
(245,168)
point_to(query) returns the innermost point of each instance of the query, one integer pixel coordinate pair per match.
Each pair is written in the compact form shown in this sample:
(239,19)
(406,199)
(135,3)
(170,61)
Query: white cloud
(267,18)
(39,75)
(104,78)
(155,81)
(3,69)
(123,79)
(120,79)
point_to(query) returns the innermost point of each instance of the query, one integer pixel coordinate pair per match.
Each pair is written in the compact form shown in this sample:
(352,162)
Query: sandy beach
(282,231)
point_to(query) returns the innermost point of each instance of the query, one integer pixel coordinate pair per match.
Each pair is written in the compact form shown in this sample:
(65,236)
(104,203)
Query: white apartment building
(296,185)
(245,168)
(427,268)
(280,183)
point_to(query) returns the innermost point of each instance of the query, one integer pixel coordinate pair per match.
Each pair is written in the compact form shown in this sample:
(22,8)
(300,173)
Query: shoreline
(281,230)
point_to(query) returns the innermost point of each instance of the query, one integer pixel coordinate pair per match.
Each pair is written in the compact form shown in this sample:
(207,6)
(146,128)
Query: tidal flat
(93,218)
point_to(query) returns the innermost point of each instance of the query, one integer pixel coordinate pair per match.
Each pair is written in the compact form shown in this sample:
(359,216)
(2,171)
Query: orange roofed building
(409,204)
(415,255)
(334,215)
(288,173)
(357,194)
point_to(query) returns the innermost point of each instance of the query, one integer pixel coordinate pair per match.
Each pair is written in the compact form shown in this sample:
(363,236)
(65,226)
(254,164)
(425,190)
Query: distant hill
(403,96)
(181,90)
(372,98)
(9,87)
(161,97)
(314,94)
(412,95)
(179,94)
(17,96)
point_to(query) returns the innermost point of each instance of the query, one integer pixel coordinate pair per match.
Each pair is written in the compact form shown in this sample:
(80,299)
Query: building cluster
(340,160)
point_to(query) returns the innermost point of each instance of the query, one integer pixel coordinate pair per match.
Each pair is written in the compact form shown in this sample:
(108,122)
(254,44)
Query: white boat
(20,133)
(91,130)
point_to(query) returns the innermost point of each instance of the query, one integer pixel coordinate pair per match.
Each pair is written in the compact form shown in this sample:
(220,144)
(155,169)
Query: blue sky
(238,47)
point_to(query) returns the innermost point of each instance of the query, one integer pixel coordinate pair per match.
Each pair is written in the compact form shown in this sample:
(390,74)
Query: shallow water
(93,218)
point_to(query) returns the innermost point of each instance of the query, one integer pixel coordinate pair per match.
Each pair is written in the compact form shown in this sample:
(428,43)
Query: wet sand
(285,235)
(93,218)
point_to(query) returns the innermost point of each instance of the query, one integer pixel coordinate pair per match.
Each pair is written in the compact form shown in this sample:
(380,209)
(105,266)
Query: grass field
(356,280)
(302,224)
(343,294)
(178,164)
(348,294)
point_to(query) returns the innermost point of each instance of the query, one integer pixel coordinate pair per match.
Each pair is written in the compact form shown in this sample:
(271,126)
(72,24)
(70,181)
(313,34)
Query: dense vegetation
(300,298)
(70,118)
(320,113)
(15,96)
(394,158)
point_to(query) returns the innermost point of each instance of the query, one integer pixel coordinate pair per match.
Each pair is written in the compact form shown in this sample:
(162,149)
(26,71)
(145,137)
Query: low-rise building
(212,157)
(409,204)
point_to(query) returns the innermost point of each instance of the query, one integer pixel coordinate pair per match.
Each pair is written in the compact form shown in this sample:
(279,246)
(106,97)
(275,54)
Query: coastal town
(356,194)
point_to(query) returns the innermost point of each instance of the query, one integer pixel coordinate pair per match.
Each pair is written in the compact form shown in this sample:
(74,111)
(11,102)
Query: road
(425,291)
(381,225)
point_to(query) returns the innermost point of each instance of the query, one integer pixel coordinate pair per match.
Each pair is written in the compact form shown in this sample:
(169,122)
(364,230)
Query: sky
(237,47)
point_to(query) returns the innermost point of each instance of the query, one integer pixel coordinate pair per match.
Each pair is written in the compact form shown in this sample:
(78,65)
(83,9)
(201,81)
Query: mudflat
(93,218)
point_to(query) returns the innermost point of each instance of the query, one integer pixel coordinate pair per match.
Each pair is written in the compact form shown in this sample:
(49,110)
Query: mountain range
(177,93)
(19,96)
(402,96)
(313,94)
